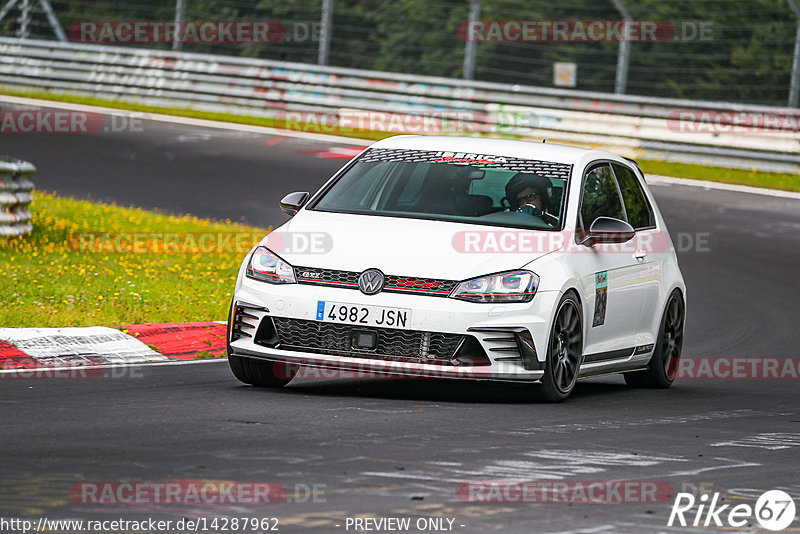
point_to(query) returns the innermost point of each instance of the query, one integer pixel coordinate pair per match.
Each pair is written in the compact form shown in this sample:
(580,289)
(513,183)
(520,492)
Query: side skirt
(615,361)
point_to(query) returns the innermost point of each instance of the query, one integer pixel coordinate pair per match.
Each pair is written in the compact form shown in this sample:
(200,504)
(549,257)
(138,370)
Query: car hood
(397,246)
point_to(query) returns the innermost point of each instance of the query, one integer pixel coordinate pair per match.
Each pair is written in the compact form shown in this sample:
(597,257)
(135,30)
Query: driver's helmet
(522,181)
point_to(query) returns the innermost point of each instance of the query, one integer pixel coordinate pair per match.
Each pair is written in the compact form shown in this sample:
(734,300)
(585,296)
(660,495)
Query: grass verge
(755,178)
(97,264)
(769,180)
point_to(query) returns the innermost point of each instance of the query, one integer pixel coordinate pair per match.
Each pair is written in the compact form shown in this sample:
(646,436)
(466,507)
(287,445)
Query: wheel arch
(568,290)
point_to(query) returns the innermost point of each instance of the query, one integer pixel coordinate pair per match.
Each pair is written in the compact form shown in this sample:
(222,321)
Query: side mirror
(608,230)
(292,202)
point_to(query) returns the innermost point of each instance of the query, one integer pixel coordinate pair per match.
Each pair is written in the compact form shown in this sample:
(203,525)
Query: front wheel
(261,373)
(663,366)
(564,351)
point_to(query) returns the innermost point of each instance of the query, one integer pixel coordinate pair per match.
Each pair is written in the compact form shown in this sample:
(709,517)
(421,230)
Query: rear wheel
(259,373)
(663,366)
(564,351)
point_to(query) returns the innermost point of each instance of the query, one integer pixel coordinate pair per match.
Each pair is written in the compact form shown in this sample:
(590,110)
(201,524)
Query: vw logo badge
(370,281)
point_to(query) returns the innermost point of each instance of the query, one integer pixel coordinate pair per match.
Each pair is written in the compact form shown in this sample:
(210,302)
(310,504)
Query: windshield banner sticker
(542,168)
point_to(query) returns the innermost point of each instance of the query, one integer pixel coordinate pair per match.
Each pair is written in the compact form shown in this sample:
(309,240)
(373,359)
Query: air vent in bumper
(243,320)
(517,341)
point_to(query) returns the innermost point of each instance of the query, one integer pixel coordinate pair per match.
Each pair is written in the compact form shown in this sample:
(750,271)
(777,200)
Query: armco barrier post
(624,56)
(471,44)
(794,85)
(16,194)
(326,31)
(180,16)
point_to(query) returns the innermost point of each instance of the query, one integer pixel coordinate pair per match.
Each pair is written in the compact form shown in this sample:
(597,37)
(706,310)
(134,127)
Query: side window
(640,214)
(600,197)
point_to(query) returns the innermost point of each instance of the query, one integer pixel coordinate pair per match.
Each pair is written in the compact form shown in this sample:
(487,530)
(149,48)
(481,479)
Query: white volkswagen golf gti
(466,258)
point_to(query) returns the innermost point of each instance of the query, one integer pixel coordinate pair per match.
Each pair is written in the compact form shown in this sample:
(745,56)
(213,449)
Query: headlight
(266,266)
(513,286)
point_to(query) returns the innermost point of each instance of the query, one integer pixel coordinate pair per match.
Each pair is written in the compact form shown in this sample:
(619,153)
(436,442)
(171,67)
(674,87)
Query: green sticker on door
(600,298)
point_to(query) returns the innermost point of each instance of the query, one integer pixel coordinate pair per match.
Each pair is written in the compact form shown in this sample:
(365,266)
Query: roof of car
(496,147)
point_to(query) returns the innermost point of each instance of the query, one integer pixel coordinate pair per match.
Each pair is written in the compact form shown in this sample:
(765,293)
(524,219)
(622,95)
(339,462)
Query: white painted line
(655,179)
(188,121)
(732,464)
(771,441)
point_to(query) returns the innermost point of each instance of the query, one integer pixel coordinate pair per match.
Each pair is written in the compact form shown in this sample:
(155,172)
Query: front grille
(425,286)
(392,344)
(311,275)
(395,284)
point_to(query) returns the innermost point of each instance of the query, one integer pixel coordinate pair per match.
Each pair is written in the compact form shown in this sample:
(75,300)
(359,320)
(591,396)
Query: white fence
(695,132)
(16,194)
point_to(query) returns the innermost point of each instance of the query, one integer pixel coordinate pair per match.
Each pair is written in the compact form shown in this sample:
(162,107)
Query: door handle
(640,255)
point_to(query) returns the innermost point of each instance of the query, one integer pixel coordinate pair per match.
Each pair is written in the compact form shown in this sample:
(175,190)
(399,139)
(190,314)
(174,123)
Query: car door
(652,247)
(611,275)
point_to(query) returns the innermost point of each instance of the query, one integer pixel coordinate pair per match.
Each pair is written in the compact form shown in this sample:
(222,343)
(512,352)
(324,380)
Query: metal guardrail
(16,194)
(643,127)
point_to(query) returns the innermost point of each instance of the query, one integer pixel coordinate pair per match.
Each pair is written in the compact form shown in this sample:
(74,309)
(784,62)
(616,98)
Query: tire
(663,366)
(564,351)
(261,373)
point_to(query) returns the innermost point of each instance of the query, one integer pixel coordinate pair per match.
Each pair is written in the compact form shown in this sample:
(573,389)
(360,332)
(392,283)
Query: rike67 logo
(774,510)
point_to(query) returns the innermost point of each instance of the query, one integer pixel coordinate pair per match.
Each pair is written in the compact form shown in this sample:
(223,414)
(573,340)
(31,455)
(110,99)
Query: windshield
(450,186)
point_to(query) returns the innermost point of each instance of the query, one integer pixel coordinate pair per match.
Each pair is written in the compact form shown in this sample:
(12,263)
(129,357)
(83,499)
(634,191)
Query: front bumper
(511,338)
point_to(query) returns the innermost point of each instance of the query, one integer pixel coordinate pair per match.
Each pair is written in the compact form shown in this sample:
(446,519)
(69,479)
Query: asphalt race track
(400,448)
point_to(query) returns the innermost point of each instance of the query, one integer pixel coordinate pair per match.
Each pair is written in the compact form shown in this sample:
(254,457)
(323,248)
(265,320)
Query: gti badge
(370,281)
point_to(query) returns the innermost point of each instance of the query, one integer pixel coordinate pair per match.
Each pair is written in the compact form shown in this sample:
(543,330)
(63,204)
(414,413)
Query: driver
(528,193)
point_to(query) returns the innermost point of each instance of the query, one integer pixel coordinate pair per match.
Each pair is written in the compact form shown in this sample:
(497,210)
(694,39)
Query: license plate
(361,314)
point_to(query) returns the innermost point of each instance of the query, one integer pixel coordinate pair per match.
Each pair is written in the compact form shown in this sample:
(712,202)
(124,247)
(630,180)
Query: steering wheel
(530,210)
